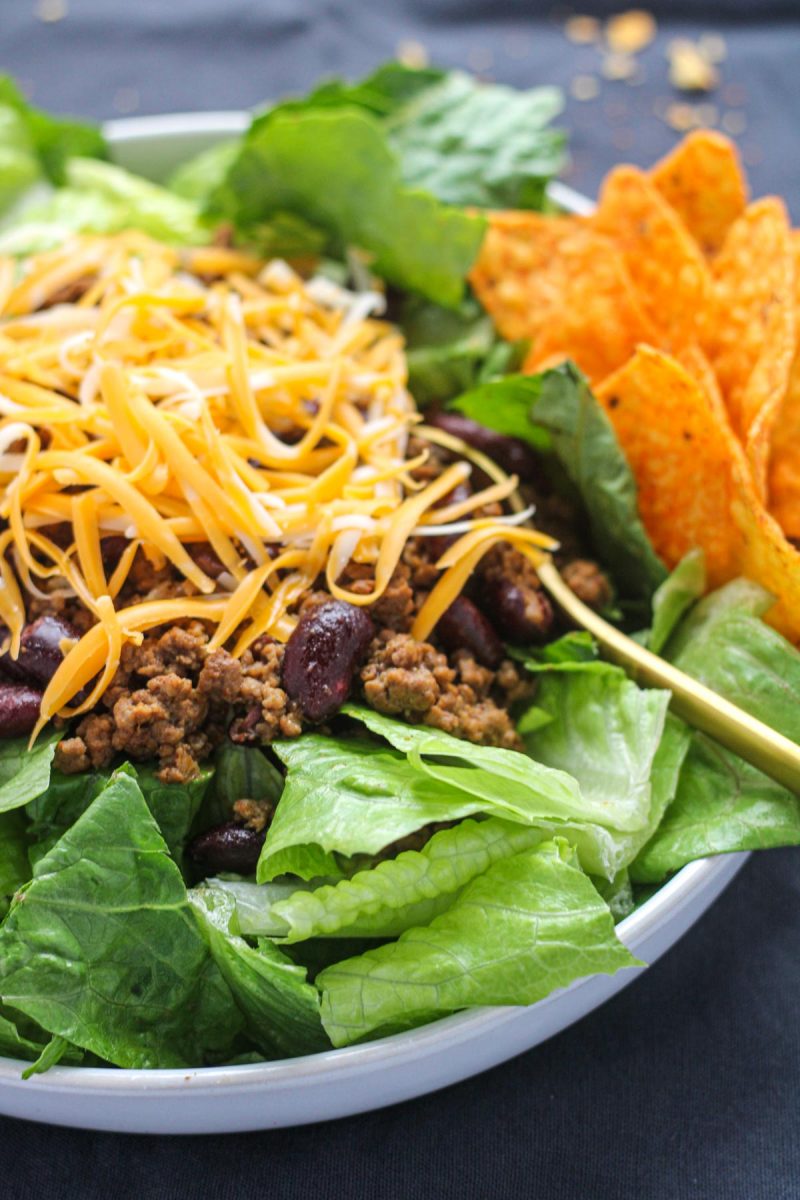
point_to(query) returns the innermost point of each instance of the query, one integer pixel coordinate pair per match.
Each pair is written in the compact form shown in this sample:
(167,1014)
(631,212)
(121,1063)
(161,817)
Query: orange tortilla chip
(693,360)
(599,321)
(703,180)
(749,334)
(765,554)
(784,476)
(518,276)
(675,439)
(563,285)
(663,260)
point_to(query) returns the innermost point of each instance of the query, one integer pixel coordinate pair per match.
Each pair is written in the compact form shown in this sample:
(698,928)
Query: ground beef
(170,700)
(413,680)
(588,582)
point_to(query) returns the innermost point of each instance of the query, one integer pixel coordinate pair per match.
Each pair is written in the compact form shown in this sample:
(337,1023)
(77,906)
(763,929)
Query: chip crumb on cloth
(679,300)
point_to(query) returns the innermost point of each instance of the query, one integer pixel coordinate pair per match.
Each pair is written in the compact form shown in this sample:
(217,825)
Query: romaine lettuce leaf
(400,892)
(582,438)
(335,168)
(529,924)
(173,805)
(465,141)
(281,1010)
(98,197)
(607,732)
(356,796)
(25,773)
(675,596)
(14,866)
(722,805)
(101,947)
(725,645)
(13,1043)
(449,351)
(479,144)
(54,140)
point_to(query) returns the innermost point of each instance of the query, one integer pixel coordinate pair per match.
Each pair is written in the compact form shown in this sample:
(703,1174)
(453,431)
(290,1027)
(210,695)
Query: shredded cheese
(206,397)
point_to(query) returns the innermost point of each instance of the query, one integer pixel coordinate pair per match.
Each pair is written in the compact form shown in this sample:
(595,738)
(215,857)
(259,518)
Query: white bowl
(339,1082)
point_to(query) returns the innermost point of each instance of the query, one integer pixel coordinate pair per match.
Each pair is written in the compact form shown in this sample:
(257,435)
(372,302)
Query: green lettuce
(479,144)
(722,805)
(675,596)
(98,197)
(356,796)
(615,715)
(25,773)
(725,645)
(465,141)
(531,923)
(390,897)
(14,865)
(101,948)
(280,1009)
(174,805)
(35,147)
(449,351)
(335,169)
(559,404)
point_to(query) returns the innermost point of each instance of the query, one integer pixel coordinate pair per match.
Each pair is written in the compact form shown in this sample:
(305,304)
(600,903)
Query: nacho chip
(749,335)
(784,475)
(518,276)
(693,360)
(703,180)
(766,555)
(675,439)
(663,260)
(563,285)
(598,321)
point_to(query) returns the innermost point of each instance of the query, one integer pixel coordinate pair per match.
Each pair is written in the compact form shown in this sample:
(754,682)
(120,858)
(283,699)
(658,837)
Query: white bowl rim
(672,897)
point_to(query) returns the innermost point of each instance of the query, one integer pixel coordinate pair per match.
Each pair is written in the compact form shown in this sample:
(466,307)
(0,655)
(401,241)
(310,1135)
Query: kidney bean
(464,627)
(511,454)
(521,614)
(322,655)
(40,653)
(228,847)
(19,709)
(112,548)
(207,559)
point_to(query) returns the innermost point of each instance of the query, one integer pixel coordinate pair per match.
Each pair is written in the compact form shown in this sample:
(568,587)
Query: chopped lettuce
(531,923)
(98,197)
(392,896)
(465,141)
(725,645)
(280,1009)
(14,866)
(25,773)
(480,144)
(101,947)
(722,805)
(449,351)
(619,717)
(619,743)
(35,147)
(357,796)
(174,806)
(335,169)
(675,596)
(559,404)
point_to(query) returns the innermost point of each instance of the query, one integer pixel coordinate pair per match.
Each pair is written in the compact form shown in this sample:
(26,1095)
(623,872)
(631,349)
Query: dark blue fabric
(684,1087)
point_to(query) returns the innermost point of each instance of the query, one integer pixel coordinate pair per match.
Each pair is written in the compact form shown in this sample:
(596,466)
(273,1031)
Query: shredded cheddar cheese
(206,396)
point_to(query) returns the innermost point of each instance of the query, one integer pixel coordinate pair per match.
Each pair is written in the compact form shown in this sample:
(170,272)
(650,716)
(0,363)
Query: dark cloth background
(687,1085)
